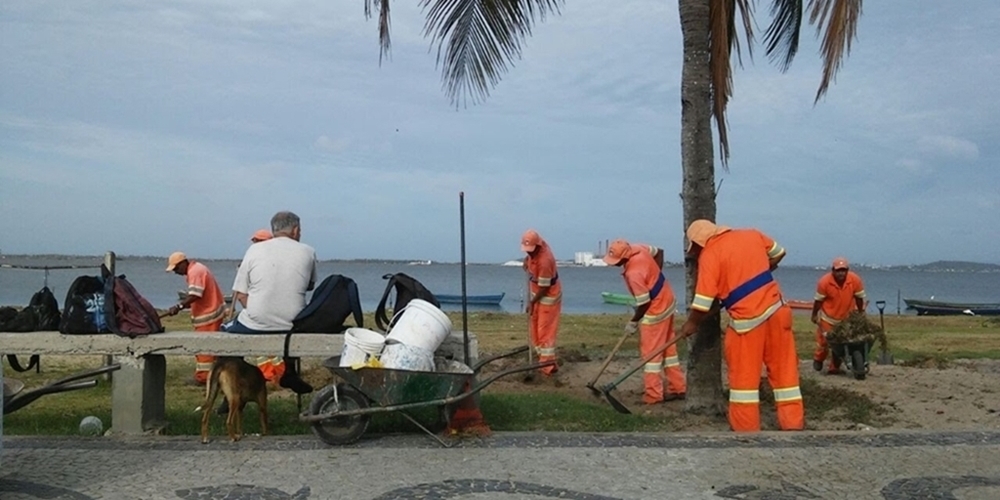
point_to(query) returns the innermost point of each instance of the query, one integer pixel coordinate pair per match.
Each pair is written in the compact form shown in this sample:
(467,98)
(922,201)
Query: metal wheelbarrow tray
(340,413)
(854,354)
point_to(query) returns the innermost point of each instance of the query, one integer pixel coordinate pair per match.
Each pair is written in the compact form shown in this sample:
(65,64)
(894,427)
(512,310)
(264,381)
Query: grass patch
(838,404)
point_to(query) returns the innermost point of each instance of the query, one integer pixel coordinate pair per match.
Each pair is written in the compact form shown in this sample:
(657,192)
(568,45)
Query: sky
(149,127)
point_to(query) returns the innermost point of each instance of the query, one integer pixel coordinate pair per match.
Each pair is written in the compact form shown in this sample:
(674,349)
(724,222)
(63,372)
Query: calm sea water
(582,286)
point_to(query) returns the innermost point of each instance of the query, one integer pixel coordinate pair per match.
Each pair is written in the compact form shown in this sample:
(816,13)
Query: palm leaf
(722,44)
(478,40)
(837,20)
(782,36)
(382,6)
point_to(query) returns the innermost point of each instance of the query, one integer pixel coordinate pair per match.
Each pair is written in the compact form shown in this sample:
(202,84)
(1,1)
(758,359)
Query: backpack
(331,303)
(129,313)
(84,307)
(42,314)
(407,289)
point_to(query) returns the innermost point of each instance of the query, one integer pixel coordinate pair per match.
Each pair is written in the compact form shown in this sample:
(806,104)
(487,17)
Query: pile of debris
(857,328)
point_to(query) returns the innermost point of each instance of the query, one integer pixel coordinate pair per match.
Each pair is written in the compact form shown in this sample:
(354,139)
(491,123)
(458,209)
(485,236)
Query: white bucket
(359,343)
(420,324)
(407,357)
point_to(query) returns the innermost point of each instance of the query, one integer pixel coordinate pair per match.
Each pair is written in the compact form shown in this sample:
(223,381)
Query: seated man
(271,285)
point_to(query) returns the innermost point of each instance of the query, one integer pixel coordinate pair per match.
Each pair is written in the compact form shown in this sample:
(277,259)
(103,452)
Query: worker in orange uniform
(545,303)
(204,297)
(734,267)
(653,318)
(273,367)
(838,292)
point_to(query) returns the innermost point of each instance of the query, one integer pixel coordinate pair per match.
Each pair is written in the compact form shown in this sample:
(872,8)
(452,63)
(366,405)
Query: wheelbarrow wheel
(339,430)
(858,365)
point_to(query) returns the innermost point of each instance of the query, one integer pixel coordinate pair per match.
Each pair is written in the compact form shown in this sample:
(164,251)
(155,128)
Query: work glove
(632,327)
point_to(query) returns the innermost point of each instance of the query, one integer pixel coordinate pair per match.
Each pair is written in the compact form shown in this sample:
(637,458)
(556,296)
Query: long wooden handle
(607,361)
(654,353)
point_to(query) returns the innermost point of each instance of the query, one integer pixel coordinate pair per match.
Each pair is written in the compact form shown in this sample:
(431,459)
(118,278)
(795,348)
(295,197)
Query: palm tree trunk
(705,349)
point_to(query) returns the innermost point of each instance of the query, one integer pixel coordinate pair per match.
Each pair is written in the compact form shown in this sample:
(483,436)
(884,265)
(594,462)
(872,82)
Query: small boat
(621,299)
(182,294)
(472,300)
(805,305)
(942,308)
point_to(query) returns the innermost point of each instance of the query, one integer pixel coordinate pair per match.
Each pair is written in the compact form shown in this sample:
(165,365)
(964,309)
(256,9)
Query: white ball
(91,426)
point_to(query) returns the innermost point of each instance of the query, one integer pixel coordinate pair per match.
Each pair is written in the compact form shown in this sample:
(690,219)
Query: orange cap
(618,250)
(529,240)
(174,259)
(840,263)
(702,230)
(260,235)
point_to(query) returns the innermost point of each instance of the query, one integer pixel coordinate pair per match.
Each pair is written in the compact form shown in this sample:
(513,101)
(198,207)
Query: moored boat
(942,308)
(621,299)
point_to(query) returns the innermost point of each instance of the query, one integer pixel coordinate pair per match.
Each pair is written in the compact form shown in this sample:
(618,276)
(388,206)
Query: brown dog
(240,383)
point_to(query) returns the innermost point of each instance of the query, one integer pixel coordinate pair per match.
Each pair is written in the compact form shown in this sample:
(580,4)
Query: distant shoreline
(937,266)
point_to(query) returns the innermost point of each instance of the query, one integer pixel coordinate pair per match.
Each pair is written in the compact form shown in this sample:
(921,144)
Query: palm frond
(782,36)
(382,6)
(837,20)
(477,40)
(723,43)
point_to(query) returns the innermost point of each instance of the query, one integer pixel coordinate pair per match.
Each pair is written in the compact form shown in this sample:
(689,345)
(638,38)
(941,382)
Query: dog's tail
(211,389)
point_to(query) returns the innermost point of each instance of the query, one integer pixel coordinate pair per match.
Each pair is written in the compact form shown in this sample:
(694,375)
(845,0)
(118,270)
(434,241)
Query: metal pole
(465,310)
(898,295)
(109,262)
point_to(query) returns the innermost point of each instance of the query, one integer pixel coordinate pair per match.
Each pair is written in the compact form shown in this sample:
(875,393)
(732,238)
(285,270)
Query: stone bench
(138,389)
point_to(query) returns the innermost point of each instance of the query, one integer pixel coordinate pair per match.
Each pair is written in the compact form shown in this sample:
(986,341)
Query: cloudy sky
(145,127)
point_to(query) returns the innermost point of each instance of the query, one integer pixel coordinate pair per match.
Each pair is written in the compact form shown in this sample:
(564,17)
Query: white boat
(419,263)
(512,263)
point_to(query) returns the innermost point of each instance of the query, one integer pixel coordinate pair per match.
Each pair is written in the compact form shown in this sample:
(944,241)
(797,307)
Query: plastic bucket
(420,324)
(407,357)
(359,343)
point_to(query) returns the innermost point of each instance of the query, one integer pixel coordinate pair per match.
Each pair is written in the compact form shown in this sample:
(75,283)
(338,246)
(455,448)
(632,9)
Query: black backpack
(84,310)
(332,302)
(42,314)
(129,314)
(407,288)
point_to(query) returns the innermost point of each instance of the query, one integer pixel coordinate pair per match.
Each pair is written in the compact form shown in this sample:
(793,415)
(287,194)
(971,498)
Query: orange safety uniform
(734,267)
(207,312)
(543,325)
(648,285)
(837,302)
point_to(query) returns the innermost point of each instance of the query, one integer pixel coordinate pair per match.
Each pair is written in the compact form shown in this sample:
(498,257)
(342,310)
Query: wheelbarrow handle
(21,400)
(436,402)
(485,361)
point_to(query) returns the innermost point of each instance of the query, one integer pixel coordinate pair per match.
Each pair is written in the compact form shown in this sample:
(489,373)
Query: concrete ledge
(172,343)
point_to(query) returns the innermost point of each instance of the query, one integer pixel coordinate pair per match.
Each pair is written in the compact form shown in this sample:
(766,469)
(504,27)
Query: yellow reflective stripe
(546,351)
(211,317)
(641,299)
(775,251)
(550,300)
(653,250)
(544,281)
(702,303)
(750,396)
(202,367)
(745,325)
(819,297)
(825,317)
(652,319)
(787,394)
(860,294)
(652,367)
(197,291)
(671,361)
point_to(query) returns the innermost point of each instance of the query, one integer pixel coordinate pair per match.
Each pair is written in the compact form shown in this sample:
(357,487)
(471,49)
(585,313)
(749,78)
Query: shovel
(590,385)
(884,357)
(617,405)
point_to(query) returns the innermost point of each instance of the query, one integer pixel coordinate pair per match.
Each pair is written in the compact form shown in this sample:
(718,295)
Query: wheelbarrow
(339,413)
(854,354)
(14,399)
